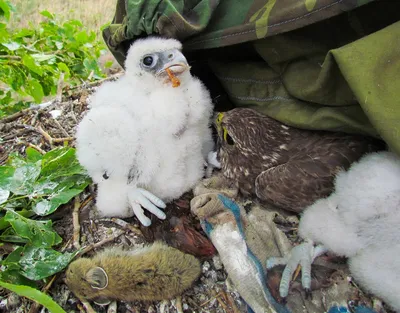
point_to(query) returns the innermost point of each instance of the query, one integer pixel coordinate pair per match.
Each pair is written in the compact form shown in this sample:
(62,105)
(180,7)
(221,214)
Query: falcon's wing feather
(292,187)
(309,172)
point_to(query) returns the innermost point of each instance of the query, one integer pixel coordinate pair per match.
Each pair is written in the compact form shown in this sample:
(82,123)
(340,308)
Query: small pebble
(151,309)
(217,263)
(13,300)
(206,267)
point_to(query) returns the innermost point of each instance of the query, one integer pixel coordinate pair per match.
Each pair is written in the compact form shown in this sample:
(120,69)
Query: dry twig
(221,303)
(123,224)
(98,82)
(13,117)
(51,140)
(61,128)
(81,308)
(76,224)
(112,308)
(60,85)
(178,304)
(32,146)
(209,300)
(231,302)
(87,306)
(101,243)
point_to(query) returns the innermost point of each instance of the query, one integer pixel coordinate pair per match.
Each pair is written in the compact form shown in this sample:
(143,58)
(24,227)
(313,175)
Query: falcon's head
(149,59)
(249,131)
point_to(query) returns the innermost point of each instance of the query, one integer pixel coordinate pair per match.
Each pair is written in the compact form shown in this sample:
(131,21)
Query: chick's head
(150,59)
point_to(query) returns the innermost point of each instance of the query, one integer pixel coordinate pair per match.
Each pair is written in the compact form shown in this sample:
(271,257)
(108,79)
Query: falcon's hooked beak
(173,60)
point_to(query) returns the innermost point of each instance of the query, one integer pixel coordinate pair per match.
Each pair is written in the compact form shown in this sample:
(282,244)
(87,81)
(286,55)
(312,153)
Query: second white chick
(360,220)
(144,141)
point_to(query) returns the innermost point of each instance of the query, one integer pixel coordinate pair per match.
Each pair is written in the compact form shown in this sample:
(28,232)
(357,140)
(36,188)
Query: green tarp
(315,64)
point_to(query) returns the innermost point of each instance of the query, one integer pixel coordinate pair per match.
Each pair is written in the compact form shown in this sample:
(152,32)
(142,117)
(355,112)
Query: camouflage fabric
(202,24)
(305,63)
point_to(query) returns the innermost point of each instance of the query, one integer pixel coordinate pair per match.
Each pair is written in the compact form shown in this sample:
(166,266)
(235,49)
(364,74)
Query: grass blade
(35,295)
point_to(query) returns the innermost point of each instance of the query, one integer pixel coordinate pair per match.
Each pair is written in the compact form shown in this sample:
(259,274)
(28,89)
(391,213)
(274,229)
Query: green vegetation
(33,187)
(32,60)
(35,295)
(35,61)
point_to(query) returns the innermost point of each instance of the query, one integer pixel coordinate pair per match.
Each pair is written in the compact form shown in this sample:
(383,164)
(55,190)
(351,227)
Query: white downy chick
(143,141)
(360,220)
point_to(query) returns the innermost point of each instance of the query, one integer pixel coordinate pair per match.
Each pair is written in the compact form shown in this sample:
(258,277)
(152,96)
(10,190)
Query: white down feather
(361,220)
(141,126)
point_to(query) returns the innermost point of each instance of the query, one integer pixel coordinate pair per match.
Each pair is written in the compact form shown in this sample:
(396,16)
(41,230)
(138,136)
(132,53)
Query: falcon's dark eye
(148,61)
(229,140)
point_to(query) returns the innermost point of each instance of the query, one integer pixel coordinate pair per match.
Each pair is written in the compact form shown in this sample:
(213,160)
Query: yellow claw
(297,272)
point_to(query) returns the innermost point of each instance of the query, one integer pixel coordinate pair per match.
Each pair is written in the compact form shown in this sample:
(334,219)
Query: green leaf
(30,63)
(32,155)
(108,64)
(59,44)
(13,258)
(64,68)
(47,14)
(35,89)
(40,57)
(9,235)
(46,207)
(16,160)
(39,233)
(12,46)
(81,37)
(4,194)
(13,276)
(34,295)
(61,162)
(24,179)
(6,175)
(5,9)
(25,32)
(90,64)
(38,263)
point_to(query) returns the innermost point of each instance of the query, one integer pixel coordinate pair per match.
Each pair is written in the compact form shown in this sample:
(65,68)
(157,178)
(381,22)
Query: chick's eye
(147,61)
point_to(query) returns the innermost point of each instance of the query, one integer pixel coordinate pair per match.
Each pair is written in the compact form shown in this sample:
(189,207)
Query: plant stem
(10,57)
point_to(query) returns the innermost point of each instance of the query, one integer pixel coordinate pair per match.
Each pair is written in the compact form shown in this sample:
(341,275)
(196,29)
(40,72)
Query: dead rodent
(154,272)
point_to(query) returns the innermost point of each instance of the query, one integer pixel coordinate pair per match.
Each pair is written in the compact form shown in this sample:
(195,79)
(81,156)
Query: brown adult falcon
(286,166)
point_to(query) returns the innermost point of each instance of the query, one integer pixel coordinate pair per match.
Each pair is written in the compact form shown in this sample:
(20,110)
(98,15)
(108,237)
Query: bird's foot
(302,255)
(140,199)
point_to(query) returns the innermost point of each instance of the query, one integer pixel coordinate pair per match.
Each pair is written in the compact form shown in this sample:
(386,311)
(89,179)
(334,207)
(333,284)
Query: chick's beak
(175,61)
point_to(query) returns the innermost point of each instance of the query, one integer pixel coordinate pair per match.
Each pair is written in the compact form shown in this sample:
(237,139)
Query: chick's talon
(140,199)
(303,255)
(308,293)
